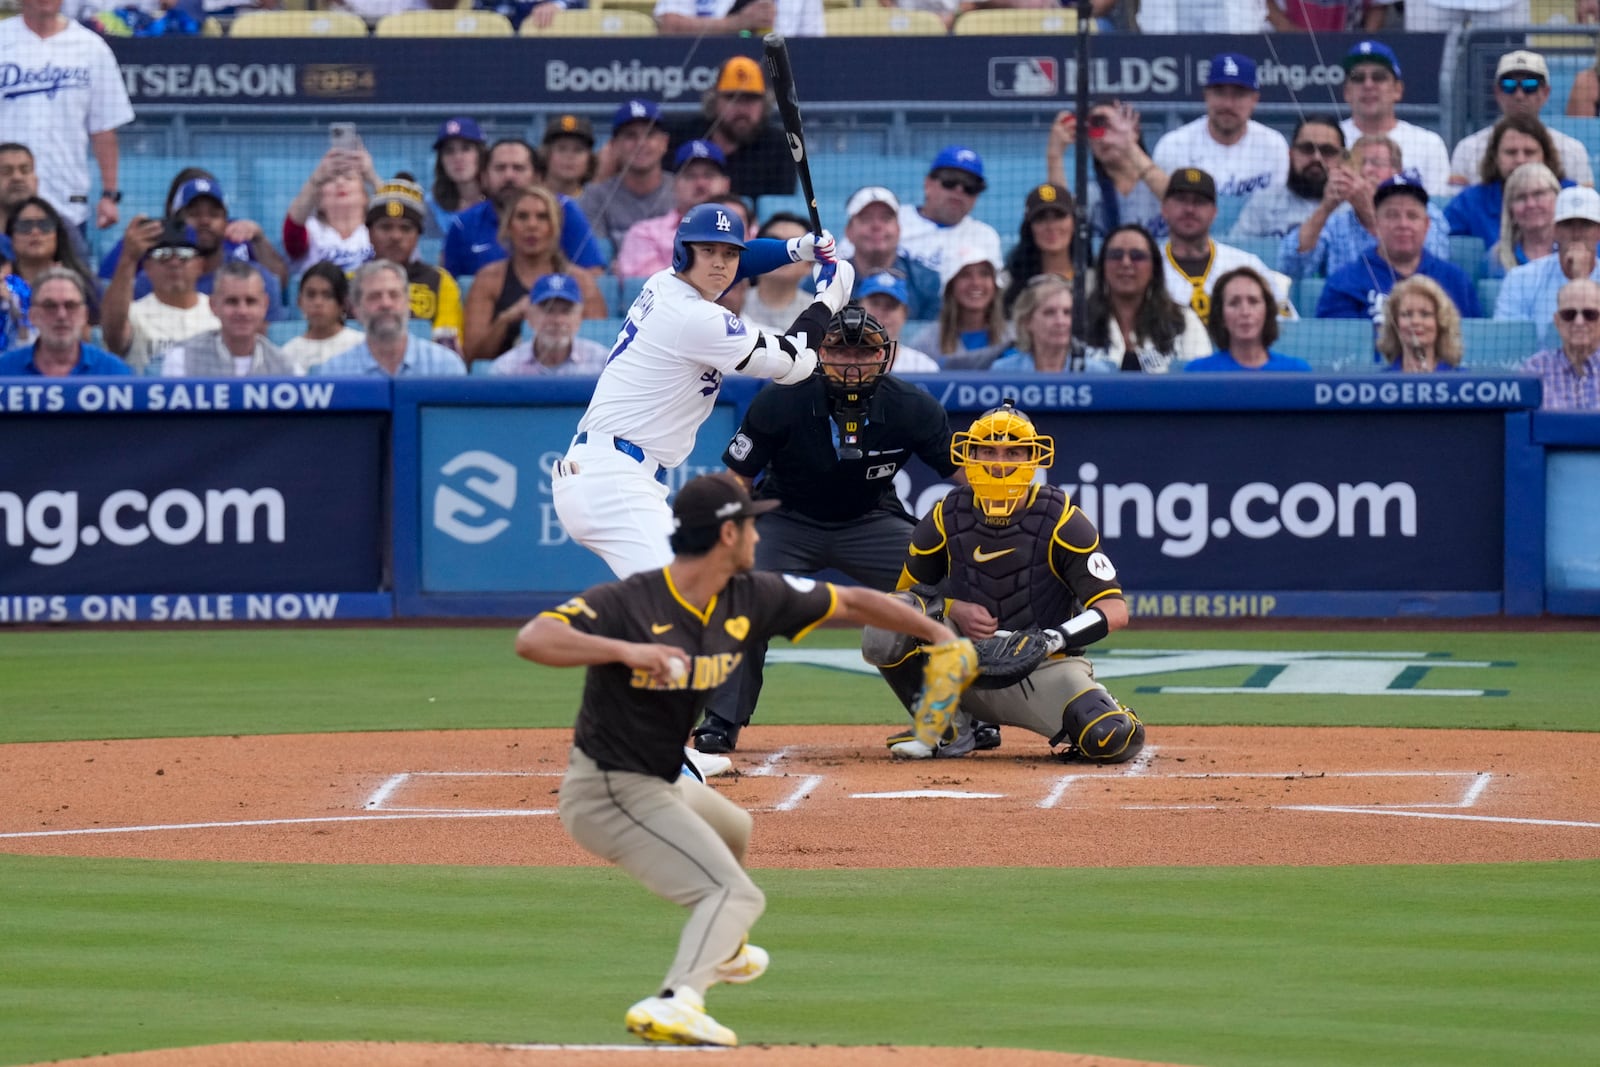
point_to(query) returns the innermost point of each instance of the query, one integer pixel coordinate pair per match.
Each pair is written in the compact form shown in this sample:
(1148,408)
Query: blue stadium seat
(1491,344)
(480,367)
(144,181)
(1264,247)
(630,292)
(1329,345)
(285,330)
(1488,292)
(1467,253)
(610,290)
(1306,293)
(601,331)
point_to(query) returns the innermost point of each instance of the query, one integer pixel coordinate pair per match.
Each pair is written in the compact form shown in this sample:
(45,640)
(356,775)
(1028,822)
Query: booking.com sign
(488,520)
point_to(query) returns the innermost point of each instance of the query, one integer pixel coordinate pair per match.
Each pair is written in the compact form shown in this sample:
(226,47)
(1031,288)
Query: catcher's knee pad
(1100,729)
(886,648)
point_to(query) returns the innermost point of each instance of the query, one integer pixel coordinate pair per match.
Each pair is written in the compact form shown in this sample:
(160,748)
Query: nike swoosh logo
(981,556)
(660,627)
(482,248)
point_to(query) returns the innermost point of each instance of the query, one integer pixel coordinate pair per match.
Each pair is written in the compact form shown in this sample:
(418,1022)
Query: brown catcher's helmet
(856,351)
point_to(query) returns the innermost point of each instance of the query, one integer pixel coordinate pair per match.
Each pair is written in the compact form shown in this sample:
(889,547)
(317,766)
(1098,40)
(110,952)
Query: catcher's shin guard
(1097,728)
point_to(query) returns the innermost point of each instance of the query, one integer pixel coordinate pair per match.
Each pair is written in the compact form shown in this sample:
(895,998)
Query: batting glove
(811,247)
(835,282)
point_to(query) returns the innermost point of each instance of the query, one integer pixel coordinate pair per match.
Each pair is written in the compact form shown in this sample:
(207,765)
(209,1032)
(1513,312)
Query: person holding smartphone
(1125,185)
(327,218)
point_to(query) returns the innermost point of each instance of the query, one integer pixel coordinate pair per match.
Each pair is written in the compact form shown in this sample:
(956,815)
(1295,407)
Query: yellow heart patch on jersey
(738,627)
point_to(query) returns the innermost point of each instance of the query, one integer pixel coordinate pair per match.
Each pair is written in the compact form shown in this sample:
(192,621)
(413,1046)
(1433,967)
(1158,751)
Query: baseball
(679,671)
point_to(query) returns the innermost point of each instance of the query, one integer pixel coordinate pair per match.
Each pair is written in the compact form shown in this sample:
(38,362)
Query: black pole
(1082,231)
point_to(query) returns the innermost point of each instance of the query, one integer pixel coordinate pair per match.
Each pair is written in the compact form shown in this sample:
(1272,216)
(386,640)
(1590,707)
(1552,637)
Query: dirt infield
(824,797)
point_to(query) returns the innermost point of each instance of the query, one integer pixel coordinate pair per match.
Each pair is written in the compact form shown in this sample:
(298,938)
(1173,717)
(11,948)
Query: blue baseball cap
(700,150)
(955,157)
(1407,181)
(462,127)
(1372,52)
(1232,68)
(886,282)
(194,189)
(556,287)
(637,110)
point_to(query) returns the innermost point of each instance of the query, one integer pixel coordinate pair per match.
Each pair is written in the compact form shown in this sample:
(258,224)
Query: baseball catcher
(1016,567)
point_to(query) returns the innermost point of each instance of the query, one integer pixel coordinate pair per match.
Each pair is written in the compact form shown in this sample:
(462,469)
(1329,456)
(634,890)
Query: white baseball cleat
(748,964)
(680,1019)
(707,764)
(910,748)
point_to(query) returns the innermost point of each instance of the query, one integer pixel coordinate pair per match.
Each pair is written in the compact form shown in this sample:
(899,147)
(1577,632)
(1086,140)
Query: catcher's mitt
(1006,659)
(950,668)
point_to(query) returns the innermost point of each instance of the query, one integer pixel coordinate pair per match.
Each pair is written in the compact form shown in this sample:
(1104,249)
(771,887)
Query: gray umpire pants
(870,549)
(683,841)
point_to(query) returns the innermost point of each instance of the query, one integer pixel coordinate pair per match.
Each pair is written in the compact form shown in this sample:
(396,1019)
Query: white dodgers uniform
(659,384)
(1260,159)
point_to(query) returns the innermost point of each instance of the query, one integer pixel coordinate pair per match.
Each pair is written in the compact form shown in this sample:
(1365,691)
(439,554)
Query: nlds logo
(1023,76)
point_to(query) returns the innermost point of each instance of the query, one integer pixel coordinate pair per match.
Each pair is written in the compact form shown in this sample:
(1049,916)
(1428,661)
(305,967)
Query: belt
(627,448)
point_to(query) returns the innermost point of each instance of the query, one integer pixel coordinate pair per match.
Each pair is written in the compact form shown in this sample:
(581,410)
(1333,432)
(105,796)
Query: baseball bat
(782,75)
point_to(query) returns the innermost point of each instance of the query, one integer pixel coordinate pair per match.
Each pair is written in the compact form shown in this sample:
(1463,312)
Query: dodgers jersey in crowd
(662,377)
(1260,159)
(54,92)
(931,243)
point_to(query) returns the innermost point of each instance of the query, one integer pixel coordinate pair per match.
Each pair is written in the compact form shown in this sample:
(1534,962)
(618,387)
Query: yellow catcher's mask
(1000,482)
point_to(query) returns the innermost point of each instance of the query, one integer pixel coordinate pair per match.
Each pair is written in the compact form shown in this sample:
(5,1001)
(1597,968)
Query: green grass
(1451,966)
(1343,967)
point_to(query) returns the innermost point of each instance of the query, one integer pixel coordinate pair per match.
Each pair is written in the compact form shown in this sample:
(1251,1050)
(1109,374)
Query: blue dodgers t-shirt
(1358,291)
(474,241)
(1224,361)
(91,360)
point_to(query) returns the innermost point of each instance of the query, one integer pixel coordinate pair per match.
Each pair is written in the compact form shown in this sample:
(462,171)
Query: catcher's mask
(856,351)
(1000,452)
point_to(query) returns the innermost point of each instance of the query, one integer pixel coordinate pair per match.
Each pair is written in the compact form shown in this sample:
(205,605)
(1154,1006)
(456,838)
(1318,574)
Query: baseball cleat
(679,1019)
(985,736)
(716,735)
(904,745)
(746,965)
(707,764)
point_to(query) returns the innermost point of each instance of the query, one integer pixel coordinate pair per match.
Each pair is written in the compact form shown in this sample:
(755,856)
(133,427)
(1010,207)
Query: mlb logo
(1023,76)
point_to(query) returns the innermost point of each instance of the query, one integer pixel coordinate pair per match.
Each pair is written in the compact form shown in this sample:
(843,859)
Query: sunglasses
(1525,85)
(51,307)
(182,255)
(33,226)
(1571,314)
(1132,255)
(970,188)
(1374,77)
(1311,148)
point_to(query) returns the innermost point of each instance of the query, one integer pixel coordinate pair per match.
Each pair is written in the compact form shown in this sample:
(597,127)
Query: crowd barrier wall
(1227,496)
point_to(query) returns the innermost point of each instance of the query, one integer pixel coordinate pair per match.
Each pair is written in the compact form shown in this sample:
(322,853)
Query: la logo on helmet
(724,225)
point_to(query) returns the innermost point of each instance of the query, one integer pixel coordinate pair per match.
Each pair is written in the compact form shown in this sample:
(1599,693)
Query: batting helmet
(1097,728)
(852,335)
(1000,486)
(710,223)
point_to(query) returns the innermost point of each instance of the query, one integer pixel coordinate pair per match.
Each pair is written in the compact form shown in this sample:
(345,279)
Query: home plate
(908,794)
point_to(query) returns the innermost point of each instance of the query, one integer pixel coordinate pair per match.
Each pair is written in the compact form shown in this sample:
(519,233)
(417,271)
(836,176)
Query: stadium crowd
(534,239)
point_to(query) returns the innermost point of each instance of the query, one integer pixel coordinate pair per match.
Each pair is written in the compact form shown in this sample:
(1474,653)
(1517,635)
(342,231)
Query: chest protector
(1007,568)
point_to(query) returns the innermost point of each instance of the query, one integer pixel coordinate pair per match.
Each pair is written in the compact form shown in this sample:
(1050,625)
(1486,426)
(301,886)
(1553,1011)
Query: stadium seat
(643,7)
(601,331)
(1467,253)
(1307,291)
(444,24)
(1016,22)
(592,23)
(1329,345)
(882,22)
(1266,248)
(298,24)
(1492,344)
(610,287)
(285,330)
(631,288)
(1488,291)
(481,367)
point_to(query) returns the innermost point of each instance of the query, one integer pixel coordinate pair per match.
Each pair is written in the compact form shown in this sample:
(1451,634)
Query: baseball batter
(1005,553)
(655,645)
(662,377)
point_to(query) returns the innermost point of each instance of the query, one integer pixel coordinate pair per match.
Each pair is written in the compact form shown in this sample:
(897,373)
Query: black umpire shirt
(629,723)
(788,431)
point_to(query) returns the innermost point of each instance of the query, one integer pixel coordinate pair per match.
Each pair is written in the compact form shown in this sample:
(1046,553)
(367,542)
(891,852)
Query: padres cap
(741,74)
(1372,52)
(194,189)
(556,287)
(956,157)
(692,150)
(872,194)
(885,282)
(1047,197)
(1232,68)
(464,128)
(1522,62)
(1578,204)
(712,499)
(569,126)
(638,110)
(1407,182)
(398,198)
(1192,180)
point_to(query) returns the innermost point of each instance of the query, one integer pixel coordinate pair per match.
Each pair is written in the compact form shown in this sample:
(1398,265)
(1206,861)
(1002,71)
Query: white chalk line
(653,1049)
(385,817)
(1441,815)
(768,768)
(379,796)
(1134,768)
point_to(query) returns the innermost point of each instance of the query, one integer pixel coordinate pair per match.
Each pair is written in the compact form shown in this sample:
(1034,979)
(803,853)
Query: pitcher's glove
(1007,658)
(949,669)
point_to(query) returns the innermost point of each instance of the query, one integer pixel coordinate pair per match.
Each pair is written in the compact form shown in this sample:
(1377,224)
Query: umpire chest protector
(1008,568)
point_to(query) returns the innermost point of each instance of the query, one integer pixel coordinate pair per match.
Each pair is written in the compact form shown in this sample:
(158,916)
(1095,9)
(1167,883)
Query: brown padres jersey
(1041,568)
(627,722)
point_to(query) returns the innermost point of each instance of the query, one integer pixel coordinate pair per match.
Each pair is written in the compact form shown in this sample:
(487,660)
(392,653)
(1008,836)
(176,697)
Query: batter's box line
(379,798)
(768,768)
(1469,797)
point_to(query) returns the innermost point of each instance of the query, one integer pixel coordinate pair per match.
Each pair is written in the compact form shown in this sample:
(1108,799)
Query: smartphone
(344,135)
